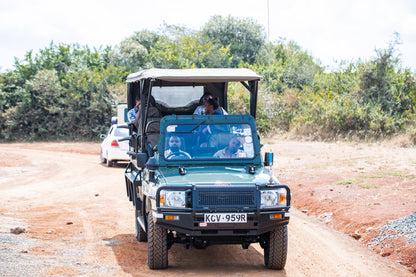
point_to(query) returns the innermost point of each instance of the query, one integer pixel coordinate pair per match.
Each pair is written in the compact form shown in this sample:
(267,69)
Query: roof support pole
(253,97)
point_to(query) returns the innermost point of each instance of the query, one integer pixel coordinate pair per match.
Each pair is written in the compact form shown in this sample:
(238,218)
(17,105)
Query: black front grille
(226,198)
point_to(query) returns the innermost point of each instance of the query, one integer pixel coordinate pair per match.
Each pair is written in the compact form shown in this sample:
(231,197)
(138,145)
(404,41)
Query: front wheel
(275,250)
(157,245)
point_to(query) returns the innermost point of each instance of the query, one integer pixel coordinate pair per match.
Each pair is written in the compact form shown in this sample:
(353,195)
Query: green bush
(69,91)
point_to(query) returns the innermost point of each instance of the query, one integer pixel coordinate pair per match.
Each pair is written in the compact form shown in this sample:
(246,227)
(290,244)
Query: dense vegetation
(68,92)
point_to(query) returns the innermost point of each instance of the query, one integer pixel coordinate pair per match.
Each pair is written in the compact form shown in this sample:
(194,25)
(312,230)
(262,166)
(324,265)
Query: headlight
(172,199)
(273,198)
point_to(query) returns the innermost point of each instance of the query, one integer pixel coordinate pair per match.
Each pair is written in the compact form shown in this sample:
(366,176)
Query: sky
(331,31)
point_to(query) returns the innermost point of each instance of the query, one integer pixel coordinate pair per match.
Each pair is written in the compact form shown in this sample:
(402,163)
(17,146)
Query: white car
(112,149)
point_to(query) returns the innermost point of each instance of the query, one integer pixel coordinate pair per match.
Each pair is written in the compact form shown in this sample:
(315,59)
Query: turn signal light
(171,217)
(282,197)
(275,216)
(114,143)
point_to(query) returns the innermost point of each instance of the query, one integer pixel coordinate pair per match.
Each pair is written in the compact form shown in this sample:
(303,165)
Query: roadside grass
(319,166)
(397,174)
(371,176)
(366,186)
(347,182)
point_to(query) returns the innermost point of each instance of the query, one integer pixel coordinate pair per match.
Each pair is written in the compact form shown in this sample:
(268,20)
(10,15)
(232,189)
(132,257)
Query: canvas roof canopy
(213,80)
(195,75)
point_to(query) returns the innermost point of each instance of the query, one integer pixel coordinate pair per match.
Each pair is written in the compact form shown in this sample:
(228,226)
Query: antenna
(268,44)
(269,60)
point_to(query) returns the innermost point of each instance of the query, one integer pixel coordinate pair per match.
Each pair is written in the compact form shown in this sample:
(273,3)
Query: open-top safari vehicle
(201,180)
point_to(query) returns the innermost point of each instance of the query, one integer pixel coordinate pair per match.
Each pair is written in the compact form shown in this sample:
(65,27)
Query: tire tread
(157,245)
(275,252)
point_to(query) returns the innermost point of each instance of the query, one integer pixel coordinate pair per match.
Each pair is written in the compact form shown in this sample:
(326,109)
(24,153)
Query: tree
(244,36)
(187,51)
(63,92)
(133,52)
(285,66)
(384,83)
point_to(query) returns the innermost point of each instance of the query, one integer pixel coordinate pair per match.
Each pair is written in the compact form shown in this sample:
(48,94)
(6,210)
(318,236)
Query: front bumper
(192,223)
(215,200)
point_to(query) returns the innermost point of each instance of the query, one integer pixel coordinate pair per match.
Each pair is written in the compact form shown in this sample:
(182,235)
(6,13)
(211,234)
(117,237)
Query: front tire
(275,250)
(157,245)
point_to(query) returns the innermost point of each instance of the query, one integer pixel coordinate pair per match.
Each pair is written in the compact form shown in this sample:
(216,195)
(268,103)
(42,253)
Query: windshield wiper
(193,129)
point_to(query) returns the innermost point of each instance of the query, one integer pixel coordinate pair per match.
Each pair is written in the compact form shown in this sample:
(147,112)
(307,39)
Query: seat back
(219,140)
(152,131)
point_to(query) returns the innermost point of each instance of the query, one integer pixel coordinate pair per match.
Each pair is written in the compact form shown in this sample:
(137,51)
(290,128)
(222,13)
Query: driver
(175,145)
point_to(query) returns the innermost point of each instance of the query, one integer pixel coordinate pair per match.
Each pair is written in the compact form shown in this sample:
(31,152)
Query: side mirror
(102,136)
(152,164)
(268,159)
(141,159)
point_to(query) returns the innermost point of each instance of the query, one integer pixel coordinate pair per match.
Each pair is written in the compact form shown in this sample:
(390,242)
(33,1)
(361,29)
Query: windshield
(121,132)
(174,97)
(208,142)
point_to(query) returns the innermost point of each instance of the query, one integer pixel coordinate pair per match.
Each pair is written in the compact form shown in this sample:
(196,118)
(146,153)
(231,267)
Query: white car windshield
(121,132)
(208,142)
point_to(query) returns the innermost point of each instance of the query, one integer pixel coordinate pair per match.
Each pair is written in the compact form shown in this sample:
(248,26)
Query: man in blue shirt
(133,113)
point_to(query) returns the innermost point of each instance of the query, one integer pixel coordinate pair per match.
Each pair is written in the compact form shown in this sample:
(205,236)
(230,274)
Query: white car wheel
(102,159)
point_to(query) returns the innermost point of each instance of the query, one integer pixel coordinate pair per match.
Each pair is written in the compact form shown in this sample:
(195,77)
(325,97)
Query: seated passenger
(200,110)
(174,151)
(134,114)
(232,151)
(211,107)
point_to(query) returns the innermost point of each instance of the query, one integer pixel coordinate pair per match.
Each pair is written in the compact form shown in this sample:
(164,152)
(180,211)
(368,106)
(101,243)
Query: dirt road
(78,221)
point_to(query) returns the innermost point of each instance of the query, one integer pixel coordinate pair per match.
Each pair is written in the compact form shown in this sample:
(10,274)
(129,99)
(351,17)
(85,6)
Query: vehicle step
(132,177)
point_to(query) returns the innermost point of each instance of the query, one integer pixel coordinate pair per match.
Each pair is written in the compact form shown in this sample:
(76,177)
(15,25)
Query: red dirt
(363,186)
(353,188)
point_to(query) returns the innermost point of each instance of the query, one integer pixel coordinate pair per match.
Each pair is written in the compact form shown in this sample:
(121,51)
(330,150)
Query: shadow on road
(229,260)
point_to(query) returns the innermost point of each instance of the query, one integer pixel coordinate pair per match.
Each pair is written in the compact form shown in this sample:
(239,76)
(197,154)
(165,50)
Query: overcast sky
(329,30)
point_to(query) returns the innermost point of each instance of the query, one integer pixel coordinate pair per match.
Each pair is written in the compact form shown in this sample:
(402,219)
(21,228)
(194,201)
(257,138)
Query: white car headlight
(172,199)
(273,198)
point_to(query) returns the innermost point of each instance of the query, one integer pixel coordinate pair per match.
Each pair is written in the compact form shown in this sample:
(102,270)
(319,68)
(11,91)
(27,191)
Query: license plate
(225,218)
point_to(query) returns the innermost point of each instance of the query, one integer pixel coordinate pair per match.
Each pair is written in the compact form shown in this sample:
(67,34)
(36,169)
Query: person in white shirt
(232,151)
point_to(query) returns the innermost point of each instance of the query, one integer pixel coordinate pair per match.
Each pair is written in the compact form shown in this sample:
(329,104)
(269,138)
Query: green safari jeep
(201,180)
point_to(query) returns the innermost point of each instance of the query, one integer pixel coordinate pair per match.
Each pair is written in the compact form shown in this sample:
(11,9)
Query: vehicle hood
(214,175)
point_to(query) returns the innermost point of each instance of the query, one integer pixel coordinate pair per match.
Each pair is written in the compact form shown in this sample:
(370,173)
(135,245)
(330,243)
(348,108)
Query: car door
(107,141)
